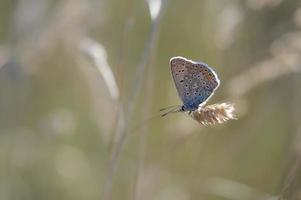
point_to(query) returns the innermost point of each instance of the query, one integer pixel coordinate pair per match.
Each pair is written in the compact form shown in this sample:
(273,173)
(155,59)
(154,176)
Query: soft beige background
(62,118)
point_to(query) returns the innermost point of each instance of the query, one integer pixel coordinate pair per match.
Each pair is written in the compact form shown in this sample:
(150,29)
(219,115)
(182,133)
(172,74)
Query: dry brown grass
(214,114)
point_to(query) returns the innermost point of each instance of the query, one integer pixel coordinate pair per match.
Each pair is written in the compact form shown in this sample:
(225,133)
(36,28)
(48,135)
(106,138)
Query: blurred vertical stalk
(123,124)
(137,194)
(293,170)
(98,54)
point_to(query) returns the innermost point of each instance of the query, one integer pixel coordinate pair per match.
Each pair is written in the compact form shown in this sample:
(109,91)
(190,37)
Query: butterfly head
(188,107)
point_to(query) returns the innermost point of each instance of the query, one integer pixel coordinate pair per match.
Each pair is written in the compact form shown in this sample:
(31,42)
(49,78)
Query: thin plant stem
(290,178)
(293,170)
(123,123)
(143,134)
(119,115)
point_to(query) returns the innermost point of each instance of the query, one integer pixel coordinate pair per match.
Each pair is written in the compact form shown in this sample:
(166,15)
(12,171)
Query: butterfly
(195,82)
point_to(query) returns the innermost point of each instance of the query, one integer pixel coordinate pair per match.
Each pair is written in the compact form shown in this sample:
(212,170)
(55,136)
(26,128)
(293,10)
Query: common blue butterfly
(194,81)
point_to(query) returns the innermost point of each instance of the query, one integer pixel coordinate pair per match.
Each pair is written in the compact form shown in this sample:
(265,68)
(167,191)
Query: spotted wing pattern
(195,81)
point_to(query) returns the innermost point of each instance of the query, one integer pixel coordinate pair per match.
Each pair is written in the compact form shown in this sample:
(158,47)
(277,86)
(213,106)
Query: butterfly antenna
(169,107)
(174,109)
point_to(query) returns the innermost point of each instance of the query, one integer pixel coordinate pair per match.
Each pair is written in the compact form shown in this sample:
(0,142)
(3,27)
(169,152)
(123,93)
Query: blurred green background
(63,116)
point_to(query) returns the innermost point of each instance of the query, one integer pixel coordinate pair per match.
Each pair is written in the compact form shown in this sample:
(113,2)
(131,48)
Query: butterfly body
(194,81)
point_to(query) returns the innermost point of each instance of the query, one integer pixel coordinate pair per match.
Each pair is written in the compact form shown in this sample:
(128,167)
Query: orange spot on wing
(208,75)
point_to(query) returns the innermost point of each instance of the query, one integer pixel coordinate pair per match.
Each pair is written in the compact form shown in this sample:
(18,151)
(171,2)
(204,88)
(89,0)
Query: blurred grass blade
(99,56)
(154,8)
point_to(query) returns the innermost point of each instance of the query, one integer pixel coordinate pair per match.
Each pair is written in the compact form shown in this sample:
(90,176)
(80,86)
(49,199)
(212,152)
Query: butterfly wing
(195,81)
